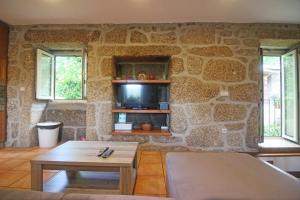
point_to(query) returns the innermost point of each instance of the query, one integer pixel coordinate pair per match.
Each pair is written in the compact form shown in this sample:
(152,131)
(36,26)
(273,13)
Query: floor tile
(23,167)
(8,154)
(150,152)
(25,182)
(11,163)
(15,170)
(150,169)
(3,159)
(151,185)
(150,158)
(9,177)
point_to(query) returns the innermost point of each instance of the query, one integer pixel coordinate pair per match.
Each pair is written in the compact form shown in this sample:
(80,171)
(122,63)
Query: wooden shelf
(154,132)
(140,111)
(141,81)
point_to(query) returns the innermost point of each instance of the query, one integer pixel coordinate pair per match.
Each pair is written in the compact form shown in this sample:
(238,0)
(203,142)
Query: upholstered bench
(199,176)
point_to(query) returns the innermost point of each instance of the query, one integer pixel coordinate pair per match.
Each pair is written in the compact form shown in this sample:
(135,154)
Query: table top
(84,153)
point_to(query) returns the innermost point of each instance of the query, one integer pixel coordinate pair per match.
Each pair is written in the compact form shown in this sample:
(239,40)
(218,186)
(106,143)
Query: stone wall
(73,117)
(206,58)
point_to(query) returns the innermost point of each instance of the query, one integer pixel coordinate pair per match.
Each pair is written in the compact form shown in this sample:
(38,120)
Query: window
(60,75)
(289,90)
(280,95)
(272,96)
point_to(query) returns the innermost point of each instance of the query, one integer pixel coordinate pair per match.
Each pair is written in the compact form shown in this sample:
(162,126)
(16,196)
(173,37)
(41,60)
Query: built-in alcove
(141,95)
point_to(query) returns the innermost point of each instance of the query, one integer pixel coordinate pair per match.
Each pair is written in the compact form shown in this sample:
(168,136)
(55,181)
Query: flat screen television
(139,96)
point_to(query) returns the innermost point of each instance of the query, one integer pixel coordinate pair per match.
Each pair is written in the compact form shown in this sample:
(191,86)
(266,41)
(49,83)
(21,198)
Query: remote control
(107,153)
(102,151)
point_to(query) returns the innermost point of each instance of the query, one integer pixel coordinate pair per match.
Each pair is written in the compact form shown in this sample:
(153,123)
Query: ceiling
(20,12)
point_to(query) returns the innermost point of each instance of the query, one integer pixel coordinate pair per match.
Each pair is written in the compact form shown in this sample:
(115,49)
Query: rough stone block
(176,66)
(219,51)
(28,59)
(11,92)
(231,41)
(159,147)
(117,35)
(194,65)
(199,113)
(264,33)
(67,117)
(224,70)
(130,138)
(107,67)
(68,134)
(165,38)
(191,90)
(13,76)
(162,139)
(178,120)
(229,112)
(138,37)
(242,32)
(148,50)
(206,136)
(14,129)
(248,92)
(104,118)
(252,135)
(200,34)
(91,115)
(248,52)
(234,139)
(99,90)
(254,70)
(226,33)
(91,134)
(235,126)
(251,42)
(80,133)
(62,35)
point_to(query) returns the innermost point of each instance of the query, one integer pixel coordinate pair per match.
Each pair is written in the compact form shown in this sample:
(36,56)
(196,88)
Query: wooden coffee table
(75,156)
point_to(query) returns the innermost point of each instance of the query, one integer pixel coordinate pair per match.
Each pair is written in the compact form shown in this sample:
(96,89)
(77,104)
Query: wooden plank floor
(15,170)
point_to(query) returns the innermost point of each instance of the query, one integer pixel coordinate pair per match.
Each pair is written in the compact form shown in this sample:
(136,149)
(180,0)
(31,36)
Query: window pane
(272,96)
(289,95)
(44,75)
(68,77)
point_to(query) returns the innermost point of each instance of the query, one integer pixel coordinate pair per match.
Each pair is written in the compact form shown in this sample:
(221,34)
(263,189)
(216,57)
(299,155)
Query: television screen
(138,96)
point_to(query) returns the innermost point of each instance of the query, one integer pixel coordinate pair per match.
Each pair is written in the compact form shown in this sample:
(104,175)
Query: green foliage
(68,77)
(273,130)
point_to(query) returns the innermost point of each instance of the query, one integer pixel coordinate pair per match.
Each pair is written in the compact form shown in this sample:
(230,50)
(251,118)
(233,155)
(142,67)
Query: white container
(48,133)
(123,126)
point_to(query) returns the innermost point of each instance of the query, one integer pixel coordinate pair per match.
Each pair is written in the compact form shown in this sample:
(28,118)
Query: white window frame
(40,52)
(296,126)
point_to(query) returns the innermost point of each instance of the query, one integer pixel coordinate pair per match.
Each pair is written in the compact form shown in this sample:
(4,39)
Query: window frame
(280,53)
(263,95)
(38,78)
(283,134)
(80,53)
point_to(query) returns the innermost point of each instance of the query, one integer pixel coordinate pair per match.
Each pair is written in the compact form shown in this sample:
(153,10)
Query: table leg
(126,180)
(36,177)
(71,174)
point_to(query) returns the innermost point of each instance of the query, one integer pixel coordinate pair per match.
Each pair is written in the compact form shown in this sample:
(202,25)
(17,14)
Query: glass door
(289,92)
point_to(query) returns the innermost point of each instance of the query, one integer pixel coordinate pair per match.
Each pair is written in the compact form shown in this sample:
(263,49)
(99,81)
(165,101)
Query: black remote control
(107,153)
(103,151)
